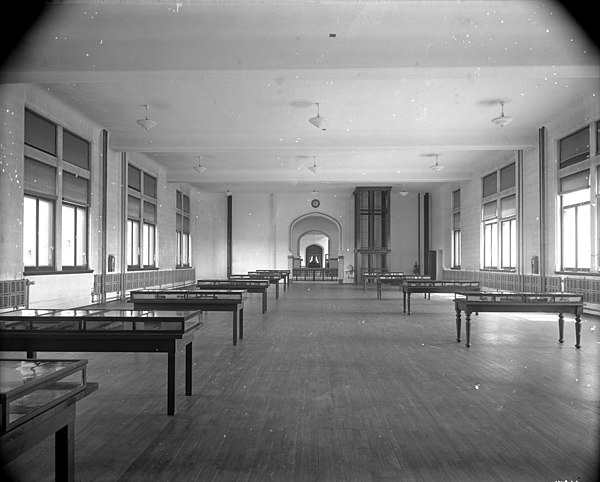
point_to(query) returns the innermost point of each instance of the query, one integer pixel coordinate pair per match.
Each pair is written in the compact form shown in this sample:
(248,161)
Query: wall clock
(315,203)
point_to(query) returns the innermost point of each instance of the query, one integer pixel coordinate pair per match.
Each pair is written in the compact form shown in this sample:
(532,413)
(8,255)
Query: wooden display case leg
(64,452)
(171,382)
(561,328)
(241,322)
(408,303)
(235,326)
(468,328)
(404,302)
(577,330)
(458,325)
(188,369)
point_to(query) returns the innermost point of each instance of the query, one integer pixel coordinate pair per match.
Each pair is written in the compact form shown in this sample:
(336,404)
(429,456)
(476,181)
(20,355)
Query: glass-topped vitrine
(29,387)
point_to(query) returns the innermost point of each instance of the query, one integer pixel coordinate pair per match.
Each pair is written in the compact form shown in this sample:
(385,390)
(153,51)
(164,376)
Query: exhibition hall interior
(298,240)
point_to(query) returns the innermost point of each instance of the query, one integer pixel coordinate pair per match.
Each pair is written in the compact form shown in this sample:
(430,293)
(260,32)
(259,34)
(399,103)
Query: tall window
(141,219)
(183,230)
(498,218)
(49,170)
(456,248)
(576,227)
(575,196)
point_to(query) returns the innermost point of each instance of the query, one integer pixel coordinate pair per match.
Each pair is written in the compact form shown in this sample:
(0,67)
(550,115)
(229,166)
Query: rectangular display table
(494,301)
(195,299)
(105,331)
(430,286)
(38,400)
(250,285)
(396,279)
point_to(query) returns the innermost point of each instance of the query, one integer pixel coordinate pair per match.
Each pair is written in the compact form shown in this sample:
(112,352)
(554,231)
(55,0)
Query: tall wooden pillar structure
(372,230)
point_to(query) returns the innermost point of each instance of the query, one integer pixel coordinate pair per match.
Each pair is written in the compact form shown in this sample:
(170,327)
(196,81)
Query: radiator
(14,294)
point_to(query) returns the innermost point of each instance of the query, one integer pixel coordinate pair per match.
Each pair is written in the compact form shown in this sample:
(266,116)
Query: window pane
(39,177)
(68,235)
(508,206)
(583,237)
(186,250)
(149,185)
(148,248)
(490,184)
(568,237)
(186,224)
(178,202)
(490,210)
(76,150)
(456,221)
(29,231)
(149,212)
(579,180)
(75,188)
(576,197)
(178,241)
(456,199)
(133,242)
(507,177)
(509,243)
(186,204)
(574,148)
(134,178)
(134,206)
(456,250)
(81,239)
(46,229)
(40,133)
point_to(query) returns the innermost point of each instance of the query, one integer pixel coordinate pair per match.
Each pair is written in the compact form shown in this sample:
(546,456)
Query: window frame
(588,237)
(145,253)
(61,166)
(493,242)
(456,231)
(182,236)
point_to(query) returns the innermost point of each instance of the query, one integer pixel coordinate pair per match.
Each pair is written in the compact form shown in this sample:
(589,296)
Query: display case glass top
(104,321)
(29,387)
(157,296)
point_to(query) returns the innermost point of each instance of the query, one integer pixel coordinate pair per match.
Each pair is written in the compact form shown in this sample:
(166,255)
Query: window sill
(53,272)
(135,268)
(578,273)
(498,270)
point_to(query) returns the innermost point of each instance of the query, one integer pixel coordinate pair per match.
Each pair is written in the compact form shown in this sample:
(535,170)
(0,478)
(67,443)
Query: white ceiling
(232,84)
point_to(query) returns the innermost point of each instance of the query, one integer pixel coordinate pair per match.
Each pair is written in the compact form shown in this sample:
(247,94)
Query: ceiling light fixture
(200,168)
(502,120)
(147,123)
(314,167)
(403,193)
(436,167)
(318,121)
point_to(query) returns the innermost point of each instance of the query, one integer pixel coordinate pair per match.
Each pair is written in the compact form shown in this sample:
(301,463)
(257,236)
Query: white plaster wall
(404,232)
(209,234)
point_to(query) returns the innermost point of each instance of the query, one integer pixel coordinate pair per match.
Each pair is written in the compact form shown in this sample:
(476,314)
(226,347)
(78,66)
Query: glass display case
(29,387)
(104,321)
(212,284)
(187,295)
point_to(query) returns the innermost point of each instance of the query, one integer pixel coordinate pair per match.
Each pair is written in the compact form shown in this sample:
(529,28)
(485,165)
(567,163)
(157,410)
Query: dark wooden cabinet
(372,230)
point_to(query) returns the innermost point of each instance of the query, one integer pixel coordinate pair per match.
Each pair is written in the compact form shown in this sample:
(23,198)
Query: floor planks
(332,384)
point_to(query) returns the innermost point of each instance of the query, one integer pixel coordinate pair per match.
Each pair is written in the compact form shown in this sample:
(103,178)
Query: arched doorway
(314,256)
(325,234)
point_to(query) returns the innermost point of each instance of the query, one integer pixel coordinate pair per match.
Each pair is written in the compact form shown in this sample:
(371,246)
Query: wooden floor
(332,384)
